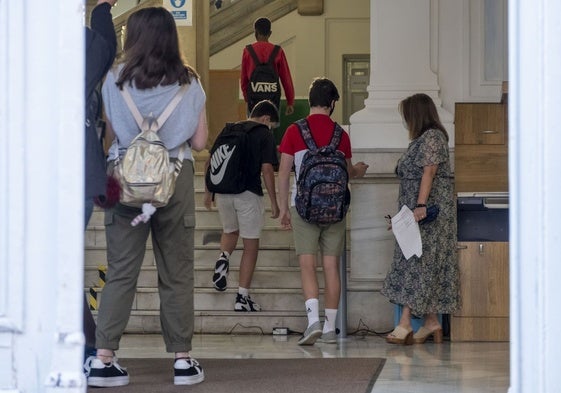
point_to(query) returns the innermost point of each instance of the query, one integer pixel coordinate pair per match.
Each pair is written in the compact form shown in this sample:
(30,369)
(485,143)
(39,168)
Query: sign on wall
(182,11)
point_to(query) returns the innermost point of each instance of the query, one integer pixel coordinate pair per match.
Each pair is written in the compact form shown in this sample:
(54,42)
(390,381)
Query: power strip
(280,331)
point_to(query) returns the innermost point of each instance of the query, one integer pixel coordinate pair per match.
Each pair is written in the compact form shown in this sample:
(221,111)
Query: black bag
(264,81)
(229,157)
(322,189)
(432,214)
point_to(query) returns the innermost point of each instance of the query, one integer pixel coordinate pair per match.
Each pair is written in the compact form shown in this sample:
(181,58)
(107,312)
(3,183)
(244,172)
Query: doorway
(356,76)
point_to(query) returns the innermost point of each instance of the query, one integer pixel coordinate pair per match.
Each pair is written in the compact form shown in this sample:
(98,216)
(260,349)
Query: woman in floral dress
(428,285)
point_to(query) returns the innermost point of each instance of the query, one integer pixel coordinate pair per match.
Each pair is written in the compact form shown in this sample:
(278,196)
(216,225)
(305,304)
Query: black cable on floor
(246,327)
(365,330)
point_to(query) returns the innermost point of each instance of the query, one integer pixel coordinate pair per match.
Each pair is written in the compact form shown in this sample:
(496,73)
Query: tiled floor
(434,368)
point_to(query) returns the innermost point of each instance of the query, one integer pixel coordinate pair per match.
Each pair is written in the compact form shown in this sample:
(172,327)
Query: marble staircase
(276,282)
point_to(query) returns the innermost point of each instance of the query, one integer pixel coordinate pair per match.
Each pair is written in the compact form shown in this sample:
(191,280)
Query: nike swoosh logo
(216,178)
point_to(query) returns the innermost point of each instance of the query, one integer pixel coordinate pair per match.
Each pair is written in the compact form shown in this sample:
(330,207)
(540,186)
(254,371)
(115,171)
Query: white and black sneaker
(244,303)
(107,374)
(220,276)
(187,371)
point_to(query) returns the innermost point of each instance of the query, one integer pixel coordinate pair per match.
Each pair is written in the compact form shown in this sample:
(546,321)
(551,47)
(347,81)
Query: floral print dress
(430,283)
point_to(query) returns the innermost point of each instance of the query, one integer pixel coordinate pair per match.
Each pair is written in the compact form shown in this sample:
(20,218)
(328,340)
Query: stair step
(268,256)
(199,180)
(201,213)
(200,198)
(264,277)
(223,322)
(211,218)
(272,236)
(210,300)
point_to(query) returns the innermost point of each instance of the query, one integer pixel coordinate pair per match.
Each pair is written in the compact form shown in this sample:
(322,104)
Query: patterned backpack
(322,188)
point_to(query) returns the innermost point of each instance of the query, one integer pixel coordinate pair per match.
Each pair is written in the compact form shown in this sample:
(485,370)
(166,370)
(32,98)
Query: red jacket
(263,51)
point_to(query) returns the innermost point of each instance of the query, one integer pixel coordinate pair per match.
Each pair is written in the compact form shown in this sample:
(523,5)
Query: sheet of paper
(407,233)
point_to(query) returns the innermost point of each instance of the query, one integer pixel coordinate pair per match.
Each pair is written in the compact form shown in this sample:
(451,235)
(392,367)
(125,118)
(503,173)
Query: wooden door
(224,103)
(484,291)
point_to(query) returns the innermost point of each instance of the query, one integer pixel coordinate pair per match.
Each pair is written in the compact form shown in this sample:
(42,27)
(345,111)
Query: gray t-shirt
(177,130)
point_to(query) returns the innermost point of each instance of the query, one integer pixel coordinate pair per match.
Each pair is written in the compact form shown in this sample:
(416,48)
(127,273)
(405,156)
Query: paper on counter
(407,233)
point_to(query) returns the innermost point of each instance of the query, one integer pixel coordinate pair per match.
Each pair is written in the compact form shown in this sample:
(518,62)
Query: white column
(41,203)
(403,58)
(535,173)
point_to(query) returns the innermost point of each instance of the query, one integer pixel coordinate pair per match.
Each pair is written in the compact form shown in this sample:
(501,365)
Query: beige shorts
(308,238)
(241,212)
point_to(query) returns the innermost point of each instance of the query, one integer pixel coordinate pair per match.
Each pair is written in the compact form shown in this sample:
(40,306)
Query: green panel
(301,110)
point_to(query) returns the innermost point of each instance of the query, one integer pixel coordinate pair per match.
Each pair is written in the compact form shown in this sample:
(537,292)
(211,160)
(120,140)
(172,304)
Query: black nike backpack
(229,158)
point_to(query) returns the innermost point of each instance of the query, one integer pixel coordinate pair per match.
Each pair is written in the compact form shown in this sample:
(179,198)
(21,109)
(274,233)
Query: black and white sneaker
(187,371)
(107,374)
(244,303)
(220,276)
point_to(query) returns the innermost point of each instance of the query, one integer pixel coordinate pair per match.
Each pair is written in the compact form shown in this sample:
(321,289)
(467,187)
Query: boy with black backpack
(263,65)
(321,153)
(241,153)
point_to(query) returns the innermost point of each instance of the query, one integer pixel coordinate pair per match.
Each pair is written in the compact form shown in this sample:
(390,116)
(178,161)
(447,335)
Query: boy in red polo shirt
(308,237)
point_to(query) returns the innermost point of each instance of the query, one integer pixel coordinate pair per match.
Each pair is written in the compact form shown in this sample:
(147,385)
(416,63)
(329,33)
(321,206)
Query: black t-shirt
(262,151)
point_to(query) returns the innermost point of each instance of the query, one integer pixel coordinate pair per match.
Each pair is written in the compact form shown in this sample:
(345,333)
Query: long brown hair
(151,53)
(420,114)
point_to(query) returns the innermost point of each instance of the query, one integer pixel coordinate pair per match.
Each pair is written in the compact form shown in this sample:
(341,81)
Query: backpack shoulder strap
(132,106)
(172,105)
(306,134)
(229,127)
(253,55)
(164,116)
(155,125)
(273,55)
(336,138)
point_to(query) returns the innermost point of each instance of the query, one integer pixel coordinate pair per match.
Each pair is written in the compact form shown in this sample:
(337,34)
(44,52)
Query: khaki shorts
(309,237)
(243,212)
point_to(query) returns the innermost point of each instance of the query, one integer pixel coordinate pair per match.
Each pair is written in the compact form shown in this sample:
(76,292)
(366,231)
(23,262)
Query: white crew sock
(312,309)
(243,291)
(330,317)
